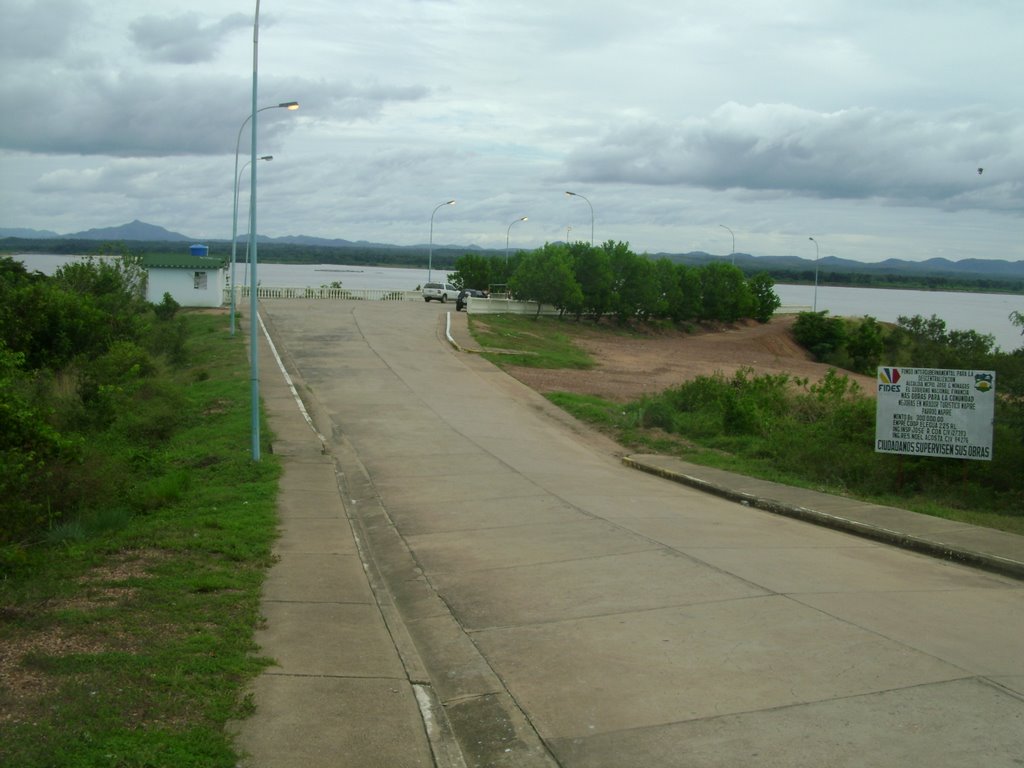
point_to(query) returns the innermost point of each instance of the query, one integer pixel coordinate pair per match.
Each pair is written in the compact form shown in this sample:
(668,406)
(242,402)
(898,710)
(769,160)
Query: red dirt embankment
(629,366)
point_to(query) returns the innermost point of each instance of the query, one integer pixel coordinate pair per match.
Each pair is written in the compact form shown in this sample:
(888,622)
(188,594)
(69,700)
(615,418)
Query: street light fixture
(430,254)
(238,182)
(577,194)
(816,254)
(509,232)
(289,105)
(733,251)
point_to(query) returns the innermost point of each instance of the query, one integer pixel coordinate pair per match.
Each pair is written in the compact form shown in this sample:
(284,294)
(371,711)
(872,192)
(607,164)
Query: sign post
(935,412)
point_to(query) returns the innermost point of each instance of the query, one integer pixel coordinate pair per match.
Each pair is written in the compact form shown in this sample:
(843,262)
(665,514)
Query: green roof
(181,261)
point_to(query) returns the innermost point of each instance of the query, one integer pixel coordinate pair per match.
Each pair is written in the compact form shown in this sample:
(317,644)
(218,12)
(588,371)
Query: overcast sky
(861,123)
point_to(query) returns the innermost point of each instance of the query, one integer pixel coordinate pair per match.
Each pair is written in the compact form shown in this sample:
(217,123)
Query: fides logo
(888,379)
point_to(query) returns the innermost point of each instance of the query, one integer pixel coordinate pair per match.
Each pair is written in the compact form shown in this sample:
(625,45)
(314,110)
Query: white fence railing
(336,294)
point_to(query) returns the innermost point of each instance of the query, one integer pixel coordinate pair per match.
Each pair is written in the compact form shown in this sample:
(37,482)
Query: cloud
(912,158)
(38,30)
(183,39)
(125,115)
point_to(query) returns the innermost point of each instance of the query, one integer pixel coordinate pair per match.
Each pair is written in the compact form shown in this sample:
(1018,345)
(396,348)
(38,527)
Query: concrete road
(567,610)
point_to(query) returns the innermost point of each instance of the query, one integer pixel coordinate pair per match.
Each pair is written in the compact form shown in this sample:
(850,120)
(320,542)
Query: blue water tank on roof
(199,250)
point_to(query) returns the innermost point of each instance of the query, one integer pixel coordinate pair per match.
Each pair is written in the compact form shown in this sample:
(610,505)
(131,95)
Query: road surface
(567,610)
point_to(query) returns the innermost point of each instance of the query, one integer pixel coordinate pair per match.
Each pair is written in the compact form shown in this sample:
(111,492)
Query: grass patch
(127,633)
(542,342)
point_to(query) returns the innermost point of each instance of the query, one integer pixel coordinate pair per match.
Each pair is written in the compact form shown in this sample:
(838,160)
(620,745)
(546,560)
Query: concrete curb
(921,544)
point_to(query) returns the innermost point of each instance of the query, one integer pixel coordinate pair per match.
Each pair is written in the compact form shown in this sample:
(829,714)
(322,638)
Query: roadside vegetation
(611,281)
(816,435)
(135,529)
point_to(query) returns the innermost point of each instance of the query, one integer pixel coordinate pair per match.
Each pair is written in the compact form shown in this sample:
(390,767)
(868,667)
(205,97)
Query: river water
(982,312)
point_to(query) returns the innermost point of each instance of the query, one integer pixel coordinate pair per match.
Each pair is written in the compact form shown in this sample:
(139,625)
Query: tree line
(611,281)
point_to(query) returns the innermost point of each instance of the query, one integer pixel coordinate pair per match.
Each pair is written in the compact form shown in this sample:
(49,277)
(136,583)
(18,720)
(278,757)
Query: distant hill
(133,230)
(139,231)
(29,234)
(318,242)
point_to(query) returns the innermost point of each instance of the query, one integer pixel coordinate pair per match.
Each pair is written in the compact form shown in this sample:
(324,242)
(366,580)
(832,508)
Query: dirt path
(629,367)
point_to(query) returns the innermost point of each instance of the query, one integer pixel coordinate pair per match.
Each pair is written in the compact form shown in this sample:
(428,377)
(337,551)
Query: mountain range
(141,231)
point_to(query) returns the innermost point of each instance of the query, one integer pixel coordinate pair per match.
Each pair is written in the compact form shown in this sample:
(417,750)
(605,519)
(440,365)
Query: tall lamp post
(238,182)
(509,232)
(733,251)
(430,253)
(254,364)
(289,105)
(576,194)
(816,254)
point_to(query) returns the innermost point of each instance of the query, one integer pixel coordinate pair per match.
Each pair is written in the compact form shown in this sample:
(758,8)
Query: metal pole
(253,316)
(290,105)
(509,232)
(577,194)
(430,253)
(816,254)
(733,251)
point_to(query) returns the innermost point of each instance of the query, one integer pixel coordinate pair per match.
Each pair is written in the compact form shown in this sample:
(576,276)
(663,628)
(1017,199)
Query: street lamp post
(816,254)
(509,232)
(576,194)
(254,364)
(733,251)
(430,253)
(289,105)
(238,182)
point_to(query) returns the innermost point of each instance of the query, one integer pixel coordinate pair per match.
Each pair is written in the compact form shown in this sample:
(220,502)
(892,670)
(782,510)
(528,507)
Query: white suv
(440,291)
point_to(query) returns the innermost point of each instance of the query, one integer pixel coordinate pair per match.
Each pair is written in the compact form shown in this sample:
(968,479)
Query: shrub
(166,309)
(819,334)
(29,449)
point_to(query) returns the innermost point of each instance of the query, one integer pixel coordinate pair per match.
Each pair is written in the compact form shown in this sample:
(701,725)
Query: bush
(819,334)
(166,309)
(29,450)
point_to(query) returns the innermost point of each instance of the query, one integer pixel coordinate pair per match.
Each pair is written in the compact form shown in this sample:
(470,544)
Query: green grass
(129,632)
(543,342)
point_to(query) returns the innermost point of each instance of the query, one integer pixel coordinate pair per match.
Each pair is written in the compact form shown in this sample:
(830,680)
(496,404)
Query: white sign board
(935,412)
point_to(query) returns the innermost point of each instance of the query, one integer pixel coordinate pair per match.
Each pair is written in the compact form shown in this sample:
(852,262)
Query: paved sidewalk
(340,694)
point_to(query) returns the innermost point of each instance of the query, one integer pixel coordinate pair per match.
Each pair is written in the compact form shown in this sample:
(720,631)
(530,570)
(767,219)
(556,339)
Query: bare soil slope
(631,366)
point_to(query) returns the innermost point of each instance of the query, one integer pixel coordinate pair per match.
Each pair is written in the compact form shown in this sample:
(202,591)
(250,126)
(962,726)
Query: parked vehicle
(464,296)
(439,291)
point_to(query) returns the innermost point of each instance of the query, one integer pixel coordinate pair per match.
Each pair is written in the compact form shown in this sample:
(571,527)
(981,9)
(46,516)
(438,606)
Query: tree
(1017,318)
(670,292)
(546,276)
(690,306)
(635,288)
(593,271)
(472,271)
(766,301)
(865,345)
(725,293)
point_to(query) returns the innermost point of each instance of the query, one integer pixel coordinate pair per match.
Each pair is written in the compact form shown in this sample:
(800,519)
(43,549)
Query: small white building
(192,280)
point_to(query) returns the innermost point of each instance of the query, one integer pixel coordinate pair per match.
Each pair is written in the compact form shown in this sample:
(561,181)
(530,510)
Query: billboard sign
(935,412)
